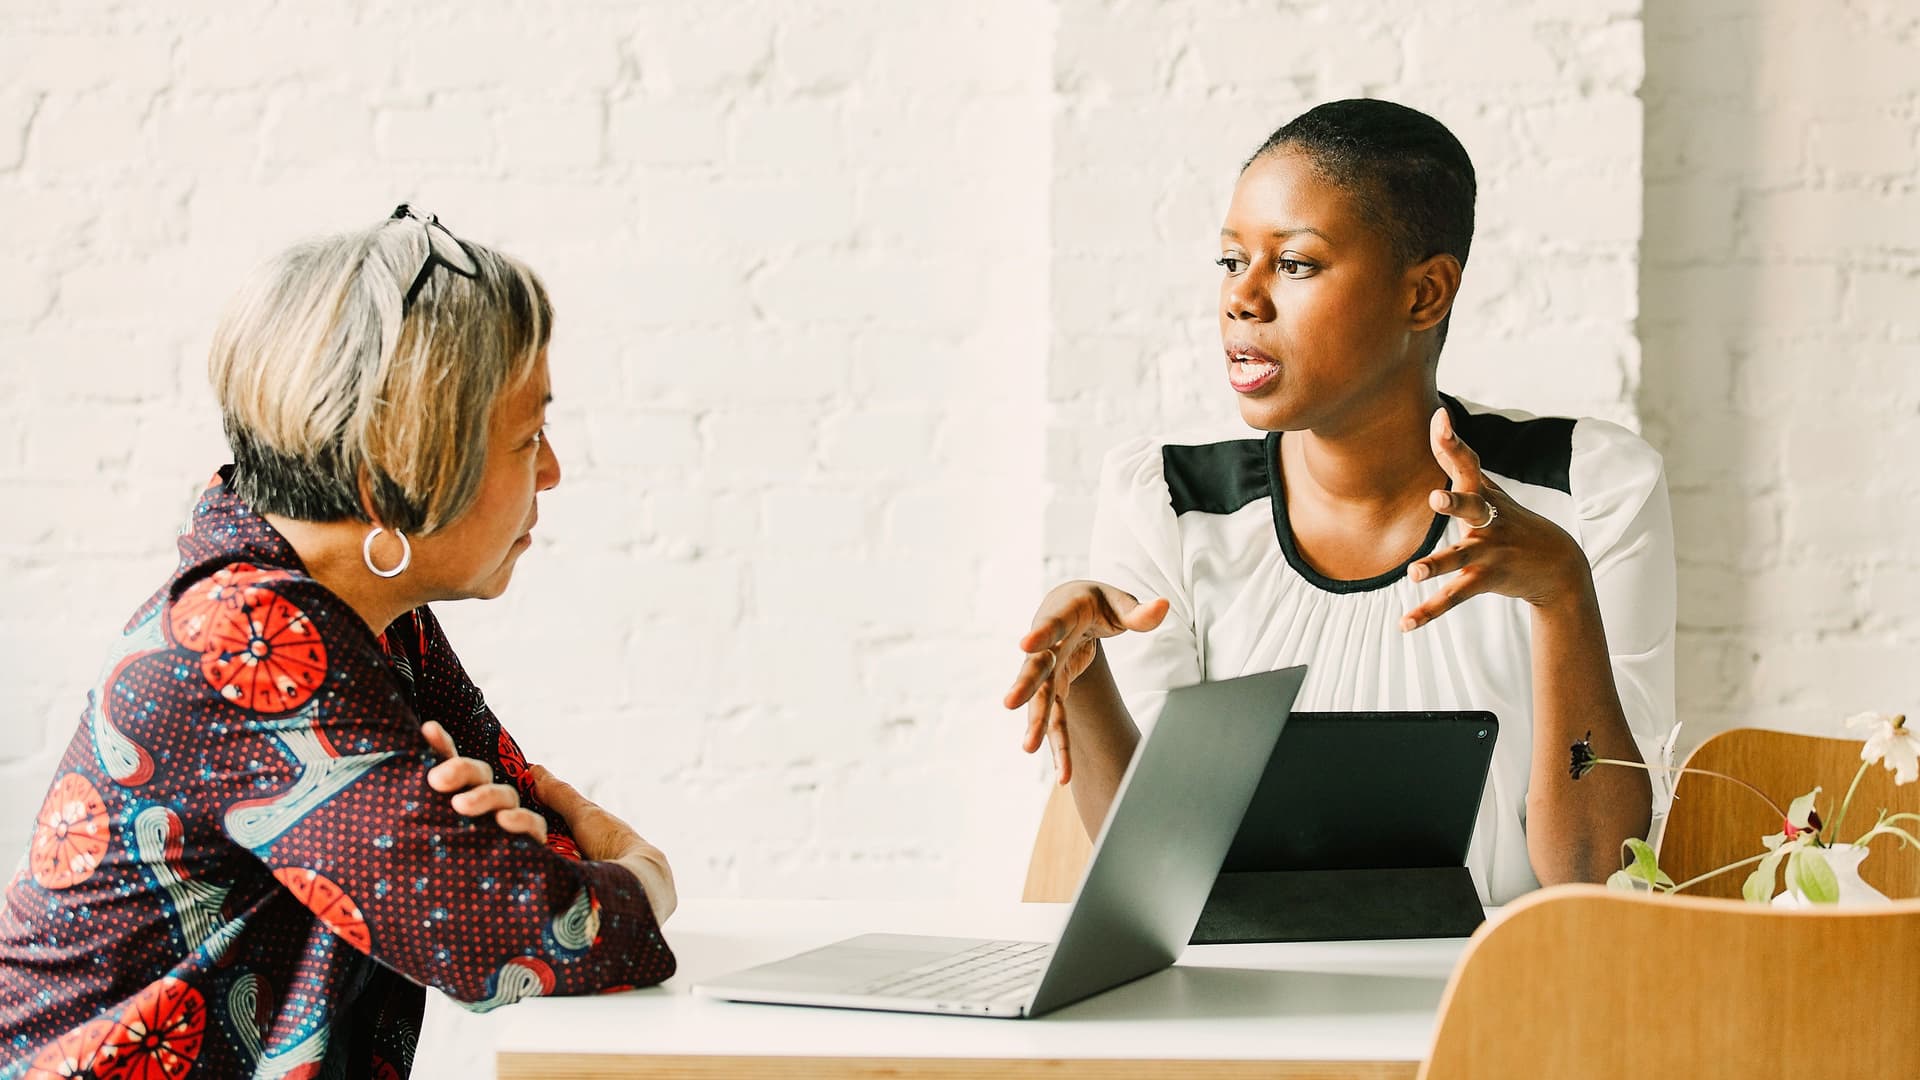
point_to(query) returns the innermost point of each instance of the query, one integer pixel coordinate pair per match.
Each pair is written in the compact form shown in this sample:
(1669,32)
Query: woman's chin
(1264,413)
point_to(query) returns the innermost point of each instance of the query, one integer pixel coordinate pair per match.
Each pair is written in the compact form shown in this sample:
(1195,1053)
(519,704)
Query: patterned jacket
(239,868)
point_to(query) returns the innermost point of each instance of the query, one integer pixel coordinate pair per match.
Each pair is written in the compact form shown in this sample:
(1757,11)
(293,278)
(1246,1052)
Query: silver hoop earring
(406,554)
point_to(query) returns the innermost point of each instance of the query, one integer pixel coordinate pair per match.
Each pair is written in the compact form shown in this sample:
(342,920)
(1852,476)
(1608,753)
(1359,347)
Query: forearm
(1104,737)
(1575,829)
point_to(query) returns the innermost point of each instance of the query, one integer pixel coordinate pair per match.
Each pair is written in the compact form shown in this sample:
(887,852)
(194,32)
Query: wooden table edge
(531,1066)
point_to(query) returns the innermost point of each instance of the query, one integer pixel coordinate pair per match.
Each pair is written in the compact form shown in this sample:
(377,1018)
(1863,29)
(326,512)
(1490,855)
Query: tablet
(1366,791)
(1358,830)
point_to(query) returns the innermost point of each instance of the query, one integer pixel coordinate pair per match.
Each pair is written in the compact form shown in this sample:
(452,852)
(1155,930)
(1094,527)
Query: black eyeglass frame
(428,224)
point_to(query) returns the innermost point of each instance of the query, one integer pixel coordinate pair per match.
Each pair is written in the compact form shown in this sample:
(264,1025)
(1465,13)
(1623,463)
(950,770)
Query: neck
(331,552)
(1379,461)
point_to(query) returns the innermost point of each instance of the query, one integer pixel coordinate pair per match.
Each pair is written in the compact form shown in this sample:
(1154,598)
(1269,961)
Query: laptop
(1177,809)
(1358,830)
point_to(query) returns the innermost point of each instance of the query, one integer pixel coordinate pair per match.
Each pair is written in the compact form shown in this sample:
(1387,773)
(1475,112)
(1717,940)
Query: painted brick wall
(1780,315)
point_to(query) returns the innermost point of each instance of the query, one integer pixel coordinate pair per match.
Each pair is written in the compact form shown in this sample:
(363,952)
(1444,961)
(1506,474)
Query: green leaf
(1621,881)
(1759,884)
(1646,865)
(1809,872)
(1798,810)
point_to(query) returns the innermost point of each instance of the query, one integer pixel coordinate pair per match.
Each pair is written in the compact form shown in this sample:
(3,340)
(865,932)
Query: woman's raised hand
(1508,549)
(1061,645)
(474,792)
(606,838)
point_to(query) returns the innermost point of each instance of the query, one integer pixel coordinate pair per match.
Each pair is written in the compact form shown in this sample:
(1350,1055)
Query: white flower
(1891,741)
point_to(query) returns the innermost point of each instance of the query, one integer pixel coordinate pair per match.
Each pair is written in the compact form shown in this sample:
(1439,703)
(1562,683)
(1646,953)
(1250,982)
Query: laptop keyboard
(985,972)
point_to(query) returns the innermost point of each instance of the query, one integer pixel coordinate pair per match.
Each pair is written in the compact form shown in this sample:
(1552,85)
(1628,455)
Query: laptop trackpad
(853,962)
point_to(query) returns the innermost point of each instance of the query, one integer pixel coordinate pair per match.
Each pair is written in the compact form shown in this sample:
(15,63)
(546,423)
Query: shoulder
(1572,455)
(1181,478)
(269,638)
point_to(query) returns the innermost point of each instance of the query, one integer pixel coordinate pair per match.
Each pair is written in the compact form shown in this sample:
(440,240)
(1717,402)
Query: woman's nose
(1241,298)
(547,471)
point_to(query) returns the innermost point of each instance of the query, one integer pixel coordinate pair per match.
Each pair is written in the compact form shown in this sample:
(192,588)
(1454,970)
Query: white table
(1350,1009)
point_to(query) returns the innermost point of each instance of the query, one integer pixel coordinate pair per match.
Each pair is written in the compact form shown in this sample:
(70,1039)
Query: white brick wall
(1780,315)
(852,297)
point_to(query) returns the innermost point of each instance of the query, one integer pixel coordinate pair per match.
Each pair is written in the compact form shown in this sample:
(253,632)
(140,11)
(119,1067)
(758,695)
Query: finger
(459,773)
(1143,617)
(523,821)
(1057,734)
(1454,558)
(1033,672)
(438,738)
(485,800)
(1045,634)
(1036,720)
(1459,461)
(1468,506)
(555,792)
(1460,589)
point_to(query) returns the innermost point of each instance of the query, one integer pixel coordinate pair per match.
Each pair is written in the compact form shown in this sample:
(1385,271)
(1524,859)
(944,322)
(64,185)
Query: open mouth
(1249,369)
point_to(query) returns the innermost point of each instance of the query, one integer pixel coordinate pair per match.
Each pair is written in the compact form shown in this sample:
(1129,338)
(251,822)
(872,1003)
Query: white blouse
(1206,527)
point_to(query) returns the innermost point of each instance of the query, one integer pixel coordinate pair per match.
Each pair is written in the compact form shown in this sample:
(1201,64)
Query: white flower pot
(1845,861)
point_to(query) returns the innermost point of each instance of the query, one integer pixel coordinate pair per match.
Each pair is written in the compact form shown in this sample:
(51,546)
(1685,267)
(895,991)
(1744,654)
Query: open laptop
(1177,809)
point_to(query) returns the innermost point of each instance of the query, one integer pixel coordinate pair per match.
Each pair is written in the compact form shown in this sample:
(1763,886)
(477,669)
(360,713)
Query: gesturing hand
(606,838)
(1508,550)
(475,793)
(1062,643)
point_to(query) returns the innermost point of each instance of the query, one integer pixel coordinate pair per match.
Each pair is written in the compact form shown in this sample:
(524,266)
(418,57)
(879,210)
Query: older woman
(249,861)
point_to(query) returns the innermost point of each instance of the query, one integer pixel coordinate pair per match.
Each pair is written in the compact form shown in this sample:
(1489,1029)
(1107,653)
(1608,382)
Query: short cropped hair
(1409,175)
(326,378)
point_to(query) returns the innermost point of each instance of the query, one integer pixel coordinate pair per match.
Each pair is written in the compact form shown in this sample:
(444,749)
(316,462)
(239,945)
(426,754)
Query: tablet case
(1358,831)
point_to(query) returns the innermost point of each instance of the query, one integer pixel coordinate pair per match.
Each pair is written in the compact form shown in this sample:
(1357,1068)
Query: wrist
(649,867)
(1569,592)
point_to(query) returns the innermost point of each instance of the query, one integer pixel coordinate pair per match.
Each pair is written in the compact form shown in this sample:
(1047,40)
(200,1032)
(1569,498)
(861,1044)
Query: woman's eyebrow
(1282,233)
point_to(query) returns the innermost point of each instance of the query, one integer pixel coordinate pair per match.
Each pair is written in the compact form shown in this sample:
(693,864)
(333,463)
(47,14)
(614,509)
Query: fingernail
(1407,624)
(1417,572)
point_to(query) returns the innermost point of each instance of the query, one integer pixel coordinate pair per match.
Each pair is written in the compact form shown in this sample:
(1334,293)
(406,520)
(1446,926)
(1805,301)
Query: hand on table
(1061,645)
(1508,549)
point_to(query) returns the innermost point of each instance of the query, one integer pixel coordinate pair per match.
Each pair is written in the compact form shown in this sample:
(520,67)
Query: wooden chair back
(1578,982)
(1714,822)
(1060,852)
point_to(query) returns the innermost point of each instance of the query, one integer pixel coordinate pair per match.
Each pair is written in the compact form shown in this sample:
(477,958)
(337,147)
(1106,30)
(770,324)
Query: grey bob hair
(341,401)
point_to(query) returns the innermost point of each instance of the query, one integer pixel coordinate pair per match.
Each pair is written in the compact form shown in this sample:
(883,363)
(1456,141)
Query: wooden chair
(1714,822)
(1060,852)
(1580,983)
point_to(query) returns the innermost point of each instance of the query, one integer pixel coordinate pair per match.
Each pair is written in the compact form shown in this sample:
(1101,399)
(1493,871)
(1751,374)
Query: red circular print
(258,649)
(512,761)
(158,1036)
(72,1054)
(70,835)
(216,596)
(330,903)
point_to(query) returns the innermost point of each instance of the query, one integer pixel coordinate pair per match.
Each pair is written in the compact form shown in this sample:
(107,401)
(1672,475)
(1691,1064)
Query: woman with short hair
(1416,551)
(261,844)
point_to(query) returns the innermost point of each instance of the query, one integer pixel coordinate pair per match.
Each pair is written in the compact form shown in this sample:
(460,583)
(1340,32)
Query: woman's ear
(365,485)
(1436,281)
